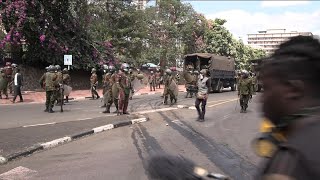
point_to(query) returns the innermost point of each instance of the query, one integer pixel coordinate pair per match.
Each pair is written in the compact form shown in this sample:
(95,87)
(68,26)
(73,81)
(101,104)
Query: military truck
(255,65)
(221,69)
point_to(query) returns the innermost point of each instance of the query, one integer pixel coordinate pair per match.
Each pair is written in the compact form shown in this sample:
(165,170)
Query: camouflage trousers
(50,98)
(167,92)
(107,98)
(244,99)
(4,91)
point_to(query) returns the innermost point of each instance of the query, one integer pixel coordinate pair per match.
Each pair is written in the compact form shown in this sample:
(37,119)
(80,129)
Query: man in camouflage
(115,78)
(104,84)
(3,84)
(125,85)
(254,82)
(66,80)
(245,91)
(158,78)
(94,84)
(152,81)
(59,82)
(167,89)
(50,81)
(108,83)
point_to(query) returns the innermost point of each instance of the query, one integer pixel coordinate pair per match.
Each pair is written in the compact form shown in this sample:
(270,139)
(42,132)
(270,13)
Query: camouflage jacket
(59,77)
(152,78)
(66,79)
(50,80)
(94,79)
(245,87)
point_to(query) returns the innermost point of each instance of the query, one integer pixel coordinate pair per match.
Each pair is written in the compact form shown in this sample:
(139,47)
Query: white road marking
(40,124)
(56,142)
(83,119)
(18,173)
(103,128)
(139,120)
(154,110)
(222,103)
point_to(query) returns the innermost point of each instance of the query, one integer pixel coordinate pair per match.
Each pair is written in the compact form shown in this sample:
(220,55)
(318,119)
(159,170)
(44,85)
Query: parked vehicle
(221,69)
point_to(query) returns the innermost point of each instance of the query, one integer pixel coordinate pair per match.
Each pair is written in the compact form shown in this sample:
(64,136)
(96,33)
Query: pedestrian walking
(245,90)
(202,94)
(18,80)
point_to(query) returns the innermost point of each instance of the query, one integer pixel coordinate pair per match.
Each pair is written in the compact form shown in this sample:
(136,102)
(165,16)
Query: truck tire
(220,87)
(233,87)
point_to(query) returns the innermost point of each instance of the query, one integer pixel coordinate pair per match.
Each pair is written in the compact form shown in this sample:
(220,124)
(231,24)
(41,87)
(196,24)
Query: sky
(245,17)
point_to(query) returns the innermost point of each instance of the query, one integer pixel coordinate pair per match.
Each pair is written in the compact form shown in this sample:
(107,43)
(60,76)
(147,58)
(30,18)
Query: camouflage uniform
(158,79)
(245,92)
(167,90)
(115,90)
(254,83)
(66,80)
(125,88)
(152,81)
(50,80)
(3,84)
(94,83)
(59,81)
(107,96)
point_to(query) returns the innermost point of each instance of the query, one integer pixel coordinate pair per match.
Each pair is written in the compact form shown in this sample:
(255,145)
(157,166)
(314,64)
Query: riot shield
(174,88)
(137,85)
(67,90)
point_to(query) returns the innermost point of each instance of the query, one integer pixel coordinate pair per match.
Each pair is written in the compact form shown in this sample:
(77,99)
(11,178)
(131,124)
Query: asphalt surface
(220,144)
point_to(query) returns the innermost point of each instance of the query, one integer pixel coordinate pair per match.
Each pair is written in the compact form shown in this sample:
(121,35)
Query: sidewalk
(40,97)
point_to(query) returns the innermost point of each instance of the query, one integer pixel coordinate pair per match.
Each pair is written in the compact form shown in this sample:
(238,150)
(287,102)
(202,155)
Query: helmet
(151,72)
(105,67)
(126,70)
(51,68)
(125,66)
(58,68)
(111,68)
(93,70)
(245,72)
(203,71)
(168,71)
(14,65)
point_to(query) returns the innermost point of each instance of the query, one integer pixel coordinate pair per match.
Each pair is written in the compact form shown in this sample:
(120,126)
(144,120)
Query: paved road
(221,144)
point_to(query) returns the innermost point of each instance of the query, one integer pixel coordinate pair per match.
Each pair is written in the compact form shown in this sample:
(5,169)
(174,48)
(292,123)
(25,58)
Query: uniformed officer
(115,78)
(245,91)
(3,84)
(167,89)
(66,80)
(94,83)
(254,83)
(152,81)
(104,84)
(59,82)
(124,89)
(158,78)
(108,83)
(50,79)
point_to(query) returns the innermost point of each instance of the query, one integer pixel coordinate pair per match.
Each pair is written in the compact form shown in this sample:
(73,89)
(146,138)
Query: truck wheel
(233,87)
(220,88)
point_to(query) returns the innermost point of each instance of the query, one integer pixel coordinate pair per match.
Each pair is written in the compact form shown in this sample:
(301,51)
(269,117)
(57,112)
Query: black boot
(165,102)
(107,110)
(103,106)
(46,110)
(67,99)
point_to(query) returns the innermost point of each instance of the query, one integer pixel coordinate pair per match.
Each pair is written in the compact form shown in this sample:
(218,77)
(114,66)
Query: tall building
(270,39)
(141,4)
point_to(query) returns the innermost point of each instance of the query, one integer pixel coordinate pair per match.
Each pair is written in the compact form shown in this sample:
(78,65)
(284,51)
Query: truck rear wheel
(233,87)
(220,87)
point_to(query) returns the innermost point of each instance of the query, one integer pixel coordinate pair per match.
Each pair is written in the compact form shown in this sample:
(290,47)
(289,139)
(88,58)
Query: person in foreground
(291,101)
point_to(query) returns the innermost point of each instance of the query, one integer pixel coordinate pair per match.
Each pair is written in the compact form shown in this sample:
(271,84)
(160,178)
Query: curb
(57,142)
(185,107)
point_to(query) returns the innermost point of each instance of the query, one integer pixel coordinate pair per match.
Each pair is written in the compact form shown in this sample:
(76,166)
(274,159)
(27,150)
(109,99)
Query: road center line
(39,124)
(223,102)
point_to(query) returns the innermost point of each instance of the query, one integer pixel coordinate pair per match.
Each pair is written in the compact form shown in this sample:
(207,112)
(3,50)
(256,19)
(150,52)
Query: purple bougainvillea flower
(42,38)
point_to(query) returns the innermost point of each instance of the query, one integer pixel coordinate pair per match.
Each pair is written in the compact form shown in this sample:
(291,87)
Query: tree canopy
(112,31)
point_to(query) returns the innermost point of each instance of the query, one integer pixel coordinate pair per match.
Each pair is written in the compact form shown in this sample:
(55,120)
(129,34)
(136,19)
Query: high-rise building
(270,39)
